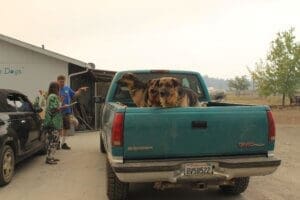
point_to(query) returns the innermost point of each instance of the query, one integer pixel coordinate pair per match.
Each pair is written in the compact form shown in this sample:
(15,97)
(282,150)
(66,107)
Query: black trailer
(87,111)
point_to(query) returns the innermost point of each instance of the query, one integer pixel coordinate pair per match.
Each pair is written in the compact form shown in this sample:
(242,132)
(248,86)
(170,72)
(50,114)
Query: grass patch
(282,115)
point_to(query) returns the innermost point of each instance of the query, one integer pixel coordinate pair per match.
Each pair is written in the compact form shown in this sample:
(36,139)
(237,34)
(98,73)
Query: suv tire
(7,165)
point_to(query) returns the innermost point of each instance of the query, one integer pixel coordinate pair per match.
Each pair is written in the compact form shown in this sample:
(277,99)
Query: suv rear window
(4,105)
(19,103)
(10,102)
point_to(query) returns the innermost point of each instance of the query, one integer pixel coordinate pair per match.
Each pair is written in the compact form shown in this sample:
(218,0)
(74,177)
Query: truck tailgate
(195,131)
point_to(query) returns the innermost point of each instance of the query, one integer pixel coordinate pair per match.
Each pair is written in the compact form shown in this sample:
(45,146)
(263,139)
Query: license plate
(197,169)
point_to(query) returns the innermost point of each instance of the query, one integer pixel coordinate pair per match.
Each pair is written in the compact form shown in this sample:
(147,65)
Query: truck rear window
(187,80)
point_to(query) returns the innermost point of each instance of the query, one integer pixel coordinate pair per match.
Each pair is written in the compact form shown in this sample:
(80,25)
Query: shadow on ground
(146,192)
(28,162)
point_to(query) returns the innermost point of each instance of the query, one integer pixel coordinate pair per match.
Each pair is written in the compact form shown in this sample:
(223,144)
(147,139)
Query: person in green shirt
(53,121)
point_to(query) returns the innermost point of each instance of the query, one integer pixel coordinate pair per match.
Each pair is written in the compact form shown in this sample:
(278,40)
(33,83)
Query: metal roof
(102,75)
(43,51)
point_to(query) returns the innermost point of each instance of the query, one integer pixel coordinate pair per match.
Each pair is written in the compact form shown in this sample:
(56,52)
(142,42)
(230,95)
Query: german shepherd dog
(152,95)
(172,94)
(137,89)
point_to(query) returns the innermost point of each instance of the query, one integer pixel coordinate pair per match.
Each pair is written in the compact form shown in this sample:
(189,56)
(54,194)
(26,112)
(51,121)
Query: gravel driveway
(81,175)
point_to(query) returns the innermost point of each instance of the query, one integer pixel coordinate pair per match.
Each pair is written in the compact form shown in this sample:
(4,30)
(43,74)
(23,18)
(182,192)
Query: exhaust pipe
(200,186)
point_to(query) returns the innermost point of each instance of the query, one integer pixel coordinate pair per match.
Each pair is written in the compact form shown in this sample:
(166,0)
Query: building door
(101,89)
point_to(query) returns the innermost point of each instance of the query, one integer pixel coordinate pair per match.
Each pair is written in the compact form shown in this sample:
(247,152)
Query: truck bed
(219,129)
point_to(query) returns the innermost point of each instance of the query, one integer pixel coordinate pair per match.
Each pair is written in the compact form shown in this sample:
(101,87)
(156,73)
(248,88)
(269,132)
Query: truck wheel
(102,147)
(239,186)
(116,190)
(7,165)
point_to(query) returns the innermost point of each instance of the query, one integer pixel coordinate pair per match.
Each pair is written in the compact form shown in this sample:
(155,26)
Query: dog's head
(153,89)
(128,79)
(153,92)
(168,91)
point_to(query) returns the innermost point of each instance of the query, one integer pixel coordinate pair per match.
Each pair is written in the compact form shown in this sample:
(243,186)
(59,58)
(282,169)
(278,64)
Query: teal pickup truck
(220,143)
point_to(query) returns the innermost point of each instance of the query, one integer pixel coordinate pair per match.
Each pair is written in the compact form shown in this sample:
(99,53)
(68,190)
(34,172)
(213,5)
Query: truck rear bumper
(223,169)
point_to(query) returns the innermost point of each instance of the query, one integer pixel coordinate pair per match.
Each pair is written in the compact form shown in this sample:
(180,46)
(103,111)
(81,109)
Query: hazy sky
(215,37)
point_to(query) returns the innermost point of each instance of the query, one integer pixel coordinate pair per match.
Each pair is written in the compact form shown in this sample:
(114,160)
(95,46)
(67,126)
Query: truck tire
(239,186)
(102,147)
(116,190)
(7,165)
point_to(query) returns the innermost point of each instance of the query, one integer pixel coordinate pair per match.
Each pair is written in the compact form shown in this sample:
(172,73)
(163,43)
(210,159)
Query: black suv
(20,132)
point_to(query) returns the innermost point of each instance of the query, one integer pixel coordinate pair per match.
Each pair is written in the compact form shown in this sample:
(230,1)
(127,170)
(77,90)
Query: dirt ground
(253,98)
(289,115)
(282,115)
(81,175)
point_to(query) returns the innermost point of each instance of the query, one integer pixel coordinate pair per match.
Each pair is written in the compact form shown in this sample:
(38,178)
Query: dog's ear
(176,82)
(148,83)
(126,76)
(156,83)
(129,76)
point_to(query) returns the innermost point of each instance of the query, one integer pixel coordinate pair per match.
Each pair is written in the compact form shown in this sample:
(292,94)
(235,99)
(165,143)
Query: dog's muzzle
(153,92)
(164,94)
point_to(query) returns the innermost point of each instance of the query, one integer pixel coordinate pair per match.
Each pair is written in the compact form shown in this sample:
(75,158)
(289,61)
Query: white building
(28,68)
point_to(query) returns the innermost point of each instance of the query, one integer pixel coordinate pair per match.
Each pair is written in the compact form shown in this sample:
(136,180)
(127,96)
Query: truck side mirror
(99,99)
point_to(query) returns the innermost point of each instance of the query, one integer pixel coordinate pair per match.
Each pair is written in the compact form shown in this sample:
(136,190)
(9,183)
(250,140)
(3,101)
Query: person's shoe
(55,159)
(58,146)
(51,161)
(65,146)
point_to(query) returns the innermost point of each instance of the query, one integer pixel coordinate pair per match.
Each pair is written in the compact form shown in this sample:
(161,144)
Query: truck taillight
(271,127)
(117,130)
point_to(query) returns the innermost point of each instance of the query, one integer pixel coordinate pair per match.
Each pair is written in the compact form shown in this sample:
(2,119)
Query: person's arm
(53,105)
(79,91)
